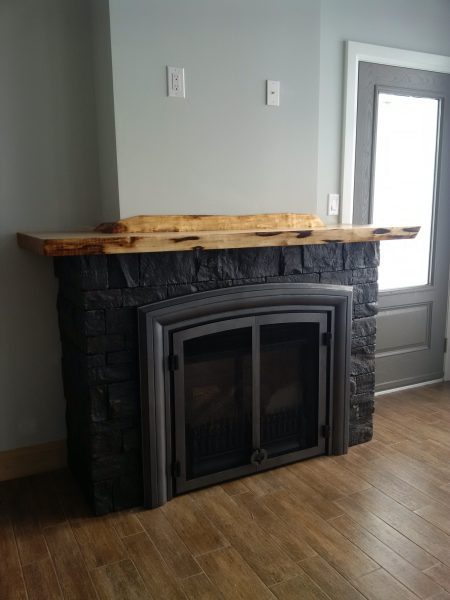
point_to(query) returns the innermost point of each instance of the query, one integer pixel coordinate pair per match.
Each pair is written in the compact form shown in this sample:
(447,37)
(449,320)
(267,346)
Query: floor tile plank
(169,544)
(198,534)
(424,534)
(41,581)
(329,580)
(398,567)
(301,586)
(12,586)
(99,543)
(119,581)
(231,574)
(247,537)
(152,568)
(395,540)
(199,587)
(70,568)
(441,575)
(344,556)
(379,585)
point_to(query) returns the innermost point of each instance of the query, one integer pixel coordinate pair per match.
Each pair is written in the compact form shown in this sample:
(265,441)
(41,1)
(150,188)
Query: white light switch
(333,205)
(273,93)
(175,82)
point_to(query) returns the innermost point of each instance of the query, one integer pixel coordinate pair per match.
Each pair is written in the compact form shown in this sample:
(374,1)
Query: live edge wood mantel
(166,233)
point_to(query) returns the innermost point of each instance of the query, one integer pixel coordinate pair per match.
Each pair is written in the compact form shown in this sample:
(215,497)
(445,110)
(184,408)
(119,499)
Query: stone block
(91,322)
(83,272)
(207,265)
(291,262)
(123,270)
(104,468)
(365,292)
(249,263)
(98,403)
(143,295)
(361,255)
(123,357)
(123,399)
(102,497)
(364,327)
(112,373)
(106,443)
(365,383)
(363,361)
(104,343)
(184,289)
(163,268)
(323,257)
(362,399)
(359,342)
(369,275)
(128,491)
(336,277)
(131,439)
(100,299)
(297,278)
(121,320)
(365,310)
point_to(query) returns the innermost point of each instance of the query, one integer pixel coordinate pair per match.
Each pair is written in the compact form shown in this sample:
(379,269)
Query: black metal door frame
(255,464)
(159,321)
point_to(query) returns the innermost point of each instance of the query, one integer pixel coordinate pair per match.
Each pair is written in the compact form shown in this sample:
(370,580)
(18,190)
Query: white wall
(407,24)
(48,180)
(221,149)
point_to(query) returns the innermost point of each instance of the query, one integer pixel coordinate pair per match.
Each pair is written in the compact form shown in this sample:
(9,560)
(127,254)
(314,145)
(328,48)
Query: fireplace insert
(242,379)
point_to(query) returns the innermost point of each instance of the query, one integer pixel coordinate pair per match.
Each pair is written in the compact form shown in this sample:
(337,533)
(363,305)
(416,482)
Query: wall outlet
(175,82)
(273,93)
(333,205)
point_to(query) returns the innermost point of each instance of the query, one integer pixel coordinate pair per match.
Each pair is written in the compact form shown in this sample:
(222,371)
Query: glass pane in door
(404,179)
(218,401)
(289,387)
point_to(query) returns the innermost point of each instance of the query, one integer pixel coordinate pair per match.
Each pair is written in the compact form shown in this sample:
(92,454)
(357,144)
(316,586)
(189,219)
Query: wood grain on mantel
(184,232)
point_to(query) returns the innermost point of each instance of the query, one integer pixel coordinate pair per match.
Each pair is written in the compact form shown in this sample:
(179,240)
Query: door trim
(382,55)
(356,52)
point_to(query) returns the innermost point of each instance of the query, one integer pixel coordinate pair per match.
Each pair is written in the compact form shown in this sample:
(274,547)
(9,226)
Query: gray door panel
(411,321)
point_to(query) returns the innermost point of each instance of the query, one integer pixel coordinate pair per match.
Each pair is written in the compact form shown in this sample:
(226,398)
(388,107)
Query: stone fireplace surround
(97,302)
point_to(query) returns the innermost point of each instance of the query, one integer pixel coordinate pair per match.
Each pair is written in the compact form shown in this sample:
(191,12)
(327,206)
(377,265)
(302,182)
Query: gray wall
(221,149)
(104,95)
(406,24)
(48,180)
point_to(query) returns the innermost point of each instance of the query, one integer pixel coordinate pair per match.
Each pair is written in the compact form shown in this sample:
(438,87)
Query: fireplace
(251,315)
(241,380)
(120,433)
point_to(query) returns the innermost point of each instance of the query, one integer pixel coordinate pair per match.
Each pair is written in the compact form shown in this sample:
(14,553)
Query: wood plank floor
(373,524)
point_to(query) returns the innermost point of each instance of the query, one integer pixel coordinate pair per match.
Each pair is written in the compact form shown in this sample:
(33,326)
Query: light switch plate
(333,205)
(273,93)
(175,82)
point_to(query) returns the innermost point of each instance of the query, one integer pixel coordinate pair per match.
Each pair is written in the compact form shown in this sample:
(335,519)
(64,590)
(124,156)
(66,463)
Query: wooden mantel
(187,232)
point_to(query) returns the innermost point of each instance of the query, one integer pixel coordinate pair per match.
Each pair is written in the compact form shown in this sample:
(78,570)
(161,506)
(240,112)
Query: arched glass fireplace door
(242,379)
(248,394)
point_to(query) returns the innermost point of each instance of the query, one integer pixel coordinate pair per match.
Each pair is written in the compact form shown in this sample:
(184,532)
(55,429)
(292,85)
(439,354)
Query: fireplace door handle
(258,456)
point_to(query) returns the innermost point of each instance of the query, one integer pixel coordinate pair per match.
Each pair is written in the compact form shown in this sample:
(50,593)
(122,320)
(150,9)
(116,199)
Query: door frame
(356,52)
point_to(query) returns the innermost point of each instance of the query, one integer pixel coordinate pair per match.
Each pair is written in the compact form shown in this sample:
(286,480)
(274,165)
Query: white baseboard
(31,460)
(408,387)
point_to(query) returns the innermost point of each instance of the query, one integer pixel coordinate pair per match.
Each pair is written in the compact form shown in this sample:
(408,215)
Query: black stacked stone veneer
(97,301)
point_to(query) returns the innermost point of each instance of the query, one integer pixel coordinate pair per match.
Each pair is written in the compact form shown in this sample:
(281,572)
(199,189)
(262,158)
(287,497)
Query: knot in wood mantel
(168,233)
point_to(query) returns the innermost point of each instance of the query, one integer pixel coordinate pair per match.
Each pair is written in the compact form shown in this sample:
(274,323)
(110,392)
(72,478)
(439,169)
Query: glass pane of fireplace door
(293,367)
(216,399)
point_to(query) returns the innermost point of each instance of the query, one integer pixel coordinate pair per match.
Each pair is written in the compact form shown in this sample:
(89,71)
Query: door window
(405,151)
